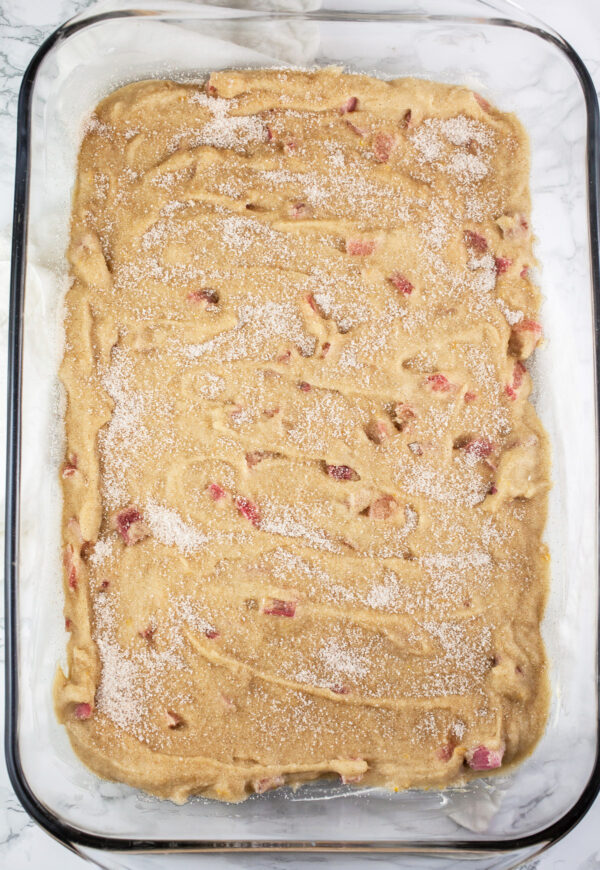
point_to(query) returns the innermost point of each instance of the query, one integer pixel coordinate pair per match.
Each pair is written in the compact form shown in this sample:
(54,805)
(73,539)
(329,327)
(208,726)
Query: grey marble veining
(23,26)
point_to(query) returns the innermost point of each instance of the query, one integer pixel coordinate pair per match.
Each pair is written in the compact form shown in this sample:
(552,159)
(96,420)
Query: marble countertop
(24,24)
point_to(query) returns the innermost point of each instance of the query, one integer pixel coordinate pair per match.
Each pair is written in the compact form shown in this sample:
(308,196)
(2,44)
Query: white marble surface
(23,26)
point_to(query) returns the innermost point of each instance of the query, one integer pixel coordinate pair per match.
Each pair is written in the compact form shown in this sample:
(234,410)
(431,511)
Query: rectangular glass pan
(498,51)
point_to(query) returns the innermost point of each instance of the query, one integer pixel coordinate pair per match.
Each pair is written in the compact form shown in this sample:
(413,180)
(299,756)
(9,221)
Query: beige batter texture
(304,489)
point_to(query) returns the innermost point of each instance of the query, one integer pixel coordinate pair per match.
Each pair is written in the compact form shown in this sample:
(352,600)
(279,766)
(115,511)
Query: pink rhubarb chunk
(401,283)
(278,607)
(476,241)
(349,105)
(360,247)
(83,711)
(248,510)
(482,758)
(130,525)
(342,472)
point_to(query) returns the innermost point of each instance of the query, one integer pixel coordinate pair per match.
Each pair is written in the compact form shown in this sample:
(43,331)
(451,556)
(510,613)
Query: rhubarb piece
(376,431)
(130,525)
(406,119)
(104,585)
(482,758)
(248,510)
(524,338)
(503,264)
(299,210)
(383,508)
(304,386)
(446,751)
(358,130)
(524,273)
(147,633)
(325,349)
(211,633)
(342,472)
(257,456)
(70,566)
(70,467)
(415,448)
(174,720)
(512,389)
(485,105)
(475,241)
(260,786)
(439,383)
(360,247)
(481,448)
(278,607)
(402,414)
(401,283)
(383,145)
(215,491)
(349,780)
(83,711)
(68,624)
(469,396)
(207,296)
(349,105)
(339,690)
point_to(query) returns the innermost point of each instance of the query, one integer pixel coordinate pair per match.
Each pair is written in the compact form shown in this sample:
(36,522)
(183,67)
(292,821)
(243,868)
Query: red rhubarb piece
(83,711)
(248,510)
(470,396)
(278,607)
(70,467)
(482,758)
(339,690)
(383,145)
(482,102)
(360,247)
(299,210)
(206,296)
(446,751)
(524,273)
(376,431)
(502,264)
(147,633)
(215,491)
(439,383)
(130,525)
(342,472)
(406,119)
(401,283)
(211,633)
(267,783)
(70,566)
(481,448)
(476,241)
(304,386)
(358,130)
(68,624)
(325,349)
(382,508)
(402,414)
(349,105)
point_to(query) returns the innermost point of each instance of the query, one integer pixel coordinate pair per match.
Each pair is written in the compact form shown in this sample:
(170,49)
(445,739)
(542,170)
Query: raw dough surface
(304,489)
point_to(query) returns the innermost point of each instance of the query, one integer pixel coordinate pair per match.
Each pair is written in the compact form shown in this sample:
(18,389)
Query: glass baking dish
(494,48)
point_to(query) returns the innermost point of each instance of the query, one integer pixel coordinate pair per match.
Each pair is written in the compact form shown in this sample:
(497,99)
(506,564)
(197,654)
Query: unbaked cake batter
(304,489)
